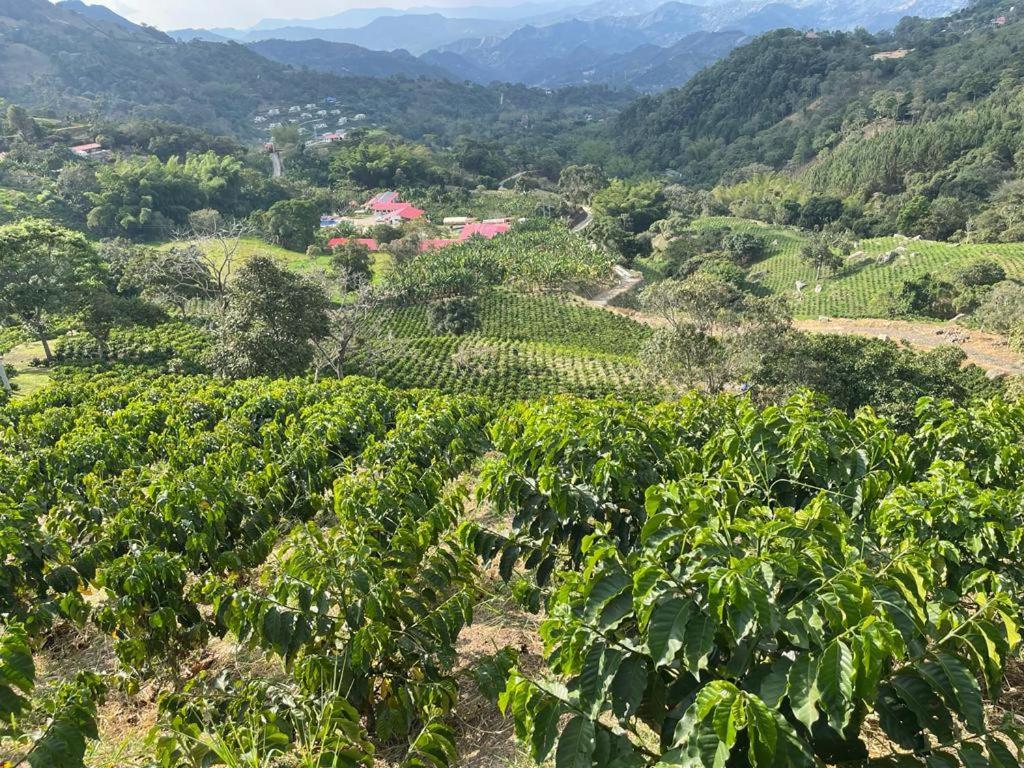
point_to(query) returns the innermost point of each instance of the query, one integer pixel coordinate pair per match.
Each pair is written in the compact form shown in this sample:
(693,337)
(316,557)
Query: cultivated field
(853,292)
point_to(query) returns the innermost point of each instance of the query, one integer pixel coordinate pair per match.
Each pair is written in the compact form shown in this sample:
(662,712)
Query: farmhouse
(91,151)
(404,212)
(487,229)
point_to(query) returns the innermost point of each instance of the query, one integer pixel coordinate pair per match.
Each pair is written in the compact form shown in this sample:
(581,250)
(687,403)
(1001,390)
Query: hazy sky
(173,14)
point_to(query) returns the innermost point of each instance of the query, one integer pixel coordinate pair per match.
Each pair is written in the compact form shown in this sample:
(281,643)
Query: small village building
(404,213)
(485,229)
(91,151)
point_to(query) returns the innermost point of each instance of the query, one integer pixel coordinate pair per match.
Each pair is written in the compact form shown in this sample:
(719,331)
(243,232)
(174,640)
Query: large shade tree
(272,319)
(45,270)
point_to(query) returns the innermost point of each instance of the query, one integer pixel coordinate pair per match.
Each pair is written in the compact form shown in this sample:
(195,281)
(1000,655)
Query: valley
(570,384)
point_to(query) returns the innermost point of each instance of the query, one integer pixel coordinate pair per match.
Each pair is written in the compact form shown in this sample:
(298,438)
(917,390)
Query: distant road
(513,177)
(586,222)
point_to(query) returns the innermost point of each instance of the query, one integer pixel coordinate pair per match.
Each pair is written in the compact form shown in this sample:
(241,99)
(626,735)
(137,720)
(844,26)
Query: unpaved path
(986,350)
(587,221)
(626,281)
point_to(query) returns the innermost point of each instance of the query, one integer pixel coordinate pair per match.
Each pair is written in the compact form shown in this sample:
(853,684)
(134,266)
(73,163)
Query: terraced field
(525,346)
(852,293)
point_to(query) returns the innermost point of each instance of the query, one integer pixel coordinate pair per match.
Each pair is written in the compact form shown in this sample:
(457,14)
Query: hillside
(219,87)
(347,60)
(856,290)
(788,97)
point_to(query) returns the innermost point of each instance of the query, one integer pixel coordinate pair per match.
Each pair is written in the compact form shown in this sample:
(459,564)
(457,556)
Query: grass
(300,262)
(853,292)
(27,380)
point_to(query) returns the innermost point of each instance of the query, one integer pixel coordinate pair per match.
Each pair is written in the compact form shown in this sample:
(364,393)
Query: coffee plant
(732,587)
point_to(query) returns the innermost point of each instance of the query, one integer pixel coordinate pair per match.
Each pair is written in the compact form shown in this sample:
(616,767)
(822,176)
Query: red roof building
(403,212)
(89,150)
(383,199)
(488,229)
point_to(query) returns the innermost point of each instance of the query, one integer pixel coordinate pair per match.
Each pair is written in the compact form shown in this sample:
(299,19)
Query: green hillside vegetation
(857,289)
(332,530)
(520,346)
(915,131)
(221,86)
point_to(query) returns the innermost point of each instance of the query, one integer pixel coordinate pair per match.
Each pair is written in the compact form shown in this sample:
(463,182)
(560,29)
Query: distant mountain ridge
(648,45)
(349,60)
(644,45)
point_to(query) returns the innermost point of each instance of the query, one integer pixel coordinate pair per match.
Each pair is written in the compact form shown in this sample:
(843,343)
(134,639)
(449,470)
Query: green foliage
(292,224)
(44,270)
(273,319)
(727,584)
(523,346)
(354,259)
(377,162)
(147,198)
(875,266)
(533,256)
(454,316)
(67,712)
(225,481)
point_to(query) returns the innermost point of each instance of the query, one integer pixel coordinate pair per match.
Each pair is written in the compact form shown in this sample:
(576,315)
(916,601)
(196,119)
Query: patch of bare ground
(986,350)
(125,721)
(486,739)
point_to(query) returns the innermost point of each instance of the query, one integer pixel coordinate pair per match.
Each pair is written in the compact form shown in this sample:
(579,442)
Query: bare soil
(986,350)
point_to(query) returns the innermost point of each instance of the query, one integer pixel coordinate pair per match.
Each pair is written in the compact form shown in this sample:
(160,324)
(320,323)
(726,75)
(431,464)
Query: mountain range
(646,45)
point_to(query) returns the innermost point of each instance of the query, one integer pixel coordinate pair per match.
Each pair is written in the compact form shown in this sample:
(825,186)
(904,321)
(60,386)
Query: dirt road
(626,280)
(985,350)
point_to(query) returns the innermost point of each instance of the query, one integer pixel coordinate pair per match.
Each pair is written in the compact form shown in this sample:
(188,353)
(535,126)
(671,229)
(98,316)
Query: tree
(353,322)
(687,358)
(820,211)
(384,162)
(1003,309)
(292,224)
(715,335)
(578,183)
(21,122)
(404,250)
(273,319)
(353,258)
(45,270)
(824,253)
(706,303)
(745,247)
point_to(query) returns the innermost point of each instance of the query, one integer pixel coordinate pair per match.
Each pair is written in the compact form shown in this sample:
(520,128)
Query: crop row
(727,586)
(165,497)
(502,369)
(854,291)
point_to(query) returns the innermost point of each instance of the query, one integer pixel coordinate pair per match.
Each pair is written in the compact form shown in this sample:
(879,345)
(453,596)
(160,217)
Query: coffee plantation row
(856,290)
(523,346)
(720,585)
